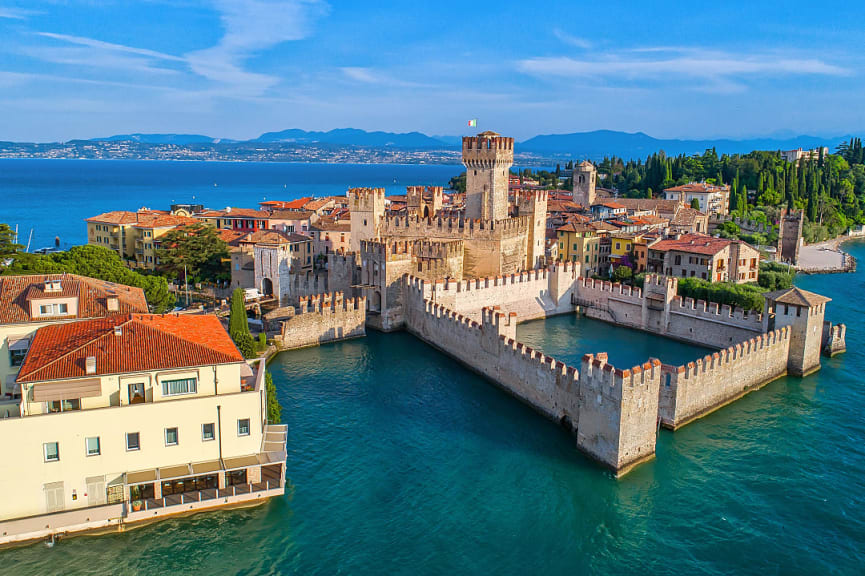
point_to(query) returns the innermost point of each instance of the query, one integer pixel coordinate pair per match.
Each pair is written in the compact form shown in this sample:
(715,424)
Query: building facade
(133,417)
(712,199)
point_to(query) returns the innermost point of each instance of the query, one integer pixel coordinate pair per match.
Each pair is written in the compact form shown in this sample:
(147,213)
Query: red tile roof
(698,187)
(286,204)
(231,237)
(273,237)
(693,244)
(146,342)
(92,296)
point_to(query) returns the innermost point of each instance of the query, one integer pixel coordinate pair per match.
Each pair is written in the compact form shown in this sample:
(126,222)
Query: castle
(462,281)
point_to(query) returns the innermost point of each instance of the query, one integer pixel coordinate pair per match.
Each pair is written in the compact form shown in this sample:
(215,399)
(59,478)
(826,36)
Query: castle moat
(401,461)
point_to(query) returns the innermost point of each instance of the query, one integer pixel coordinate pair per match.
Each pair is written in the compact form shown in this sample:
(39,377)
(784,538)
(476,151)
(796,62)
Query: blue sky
(237,68)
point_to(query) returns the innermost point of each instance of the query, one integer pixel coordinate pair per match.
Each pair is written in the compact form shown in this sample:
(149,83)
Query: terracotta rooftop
(797,297)
(656,204)
(698,188)
(231,237)
(291,214)
(331,225)
(693,244)
(610,204)
(145,342)
(92,296)
(318,204)
(573,227)
(686,216)
(142,219)
(285,204)
(273,237)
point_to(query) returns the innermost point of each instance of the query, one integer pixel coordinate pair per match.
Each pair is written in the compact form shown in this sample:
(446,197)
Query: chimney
(113,304)
(90,365)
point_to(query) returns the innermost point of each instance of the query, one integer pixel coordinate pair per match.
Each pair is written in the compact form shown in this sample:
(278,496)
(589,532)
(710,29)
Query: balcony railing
(195,496)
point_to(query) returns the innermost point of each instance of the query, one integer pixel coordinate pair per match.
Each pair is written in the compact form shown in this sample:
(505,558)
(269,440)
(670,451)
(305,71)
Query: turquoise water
(403,462)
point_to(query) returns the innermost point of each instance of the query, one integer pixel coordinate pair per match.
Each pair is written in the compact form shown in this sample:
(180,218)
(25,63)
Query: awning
(173,472)
(50,391)
(19,344)
(246,370)
(142,477)
(241,462)
(206,467)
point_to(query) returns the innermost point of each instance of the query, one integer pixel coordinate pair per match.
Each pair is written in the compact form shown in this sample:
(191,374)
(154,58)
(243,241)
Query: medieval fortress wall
(699,387)
(321,318)
(613,412)
(461,284)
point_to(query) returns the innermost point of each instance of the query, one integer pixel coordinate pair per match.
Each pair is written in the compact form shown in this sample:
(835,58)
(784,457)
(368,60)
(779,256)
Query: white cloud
(572,40)
(252,26)
(716,70)
(108,46)
(15,13)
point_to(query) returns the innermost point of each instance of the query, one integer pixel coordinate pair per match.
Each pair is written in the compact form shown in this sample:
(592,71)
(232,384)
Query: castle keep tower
(585,179)
(488,158)
(803,312)
(367,211)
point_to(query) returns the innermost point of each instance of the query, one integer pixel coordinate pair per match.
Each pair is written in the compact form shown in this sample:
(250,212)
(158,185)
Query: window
(92,445)
(207,432)
(52,451)
(176,387)
(243,427)
(16,357)
(53,309)
(136,393)
(171,436)
(133,441)
(64,405)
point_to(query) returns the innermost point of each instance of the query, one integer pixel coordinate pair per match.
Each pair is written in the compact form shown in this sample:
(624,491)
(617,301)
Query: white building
(134,417)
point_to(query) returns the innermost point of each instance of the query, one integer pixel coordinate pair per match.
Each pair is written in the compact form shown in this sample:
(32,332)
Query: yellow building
(134,235)
(579,243)
(30,302)
(135,417)
(622,248)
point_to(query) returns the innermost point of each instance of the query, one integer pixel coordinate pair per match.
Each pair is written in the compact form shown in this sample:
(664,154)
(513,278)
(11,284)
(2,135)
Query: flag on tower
(473,122)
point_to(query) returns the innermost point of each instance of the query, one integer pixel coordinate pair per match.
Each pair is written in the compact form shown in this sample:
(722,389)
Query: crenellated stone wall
(834,338)
(697,388)
(319,319)
(613,412)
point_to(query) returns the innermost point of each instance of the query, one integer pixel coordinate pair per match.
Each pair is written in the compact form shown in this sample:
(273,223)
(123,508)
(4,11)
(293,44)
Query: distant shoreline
(827,257)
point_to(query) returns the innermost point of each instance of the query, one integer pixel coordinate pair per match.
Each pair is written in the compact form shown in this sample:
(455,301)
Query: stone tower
(790,235)
(534,205)
(585,180)
(424,202)
(367,211)
(488,158)
(803,312)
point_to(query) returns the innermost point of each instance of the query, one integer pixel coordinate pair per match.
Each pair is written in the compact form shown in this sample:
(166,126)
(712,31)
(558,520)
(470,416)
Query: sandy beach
(825,257)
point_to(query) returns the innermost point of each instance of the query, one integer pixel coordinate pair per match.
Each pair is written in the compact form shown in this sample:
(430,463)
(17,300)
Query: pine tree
(238,325)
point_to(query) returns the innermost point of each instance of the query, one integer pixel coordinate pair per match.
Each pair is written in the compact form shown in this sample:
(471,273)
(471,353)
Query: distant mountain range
(600,143)
(593,145)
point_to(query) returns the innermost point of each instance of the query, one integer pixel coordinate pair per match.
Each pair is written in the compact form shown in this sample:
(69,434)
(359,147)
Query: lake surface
(403,462)
(53,197)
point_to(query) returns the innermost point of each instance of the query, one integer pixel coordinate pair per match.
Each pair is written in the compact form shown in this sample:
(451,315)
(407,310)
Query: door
(96,495)
(136,393)
(54,497)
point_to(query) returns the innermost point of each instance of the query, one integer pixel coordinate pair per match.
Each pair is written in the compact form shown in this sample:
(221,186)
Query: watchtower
(534,205)
(488,158)
(367,211)
(803,312)
(790,235)
(585,180)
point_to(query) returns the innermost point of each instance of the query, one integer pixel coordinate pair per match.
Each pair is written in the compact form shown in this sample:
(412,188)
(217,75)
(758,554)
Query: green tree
(96,262)
(695,204)
(622,274)
(274,409)
(238,325)
(458,183)
(8,243)
(196,249)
